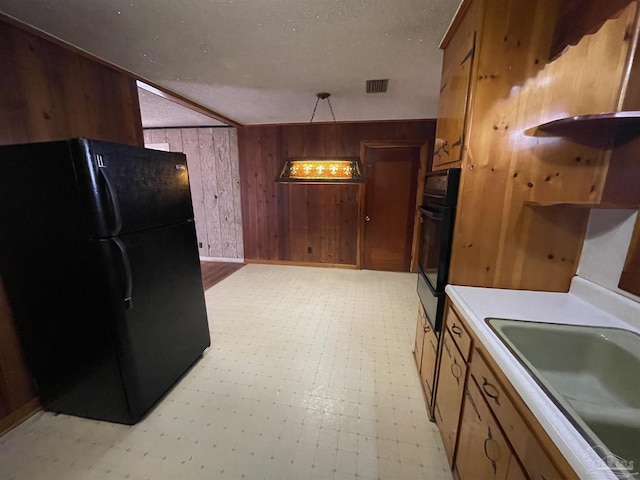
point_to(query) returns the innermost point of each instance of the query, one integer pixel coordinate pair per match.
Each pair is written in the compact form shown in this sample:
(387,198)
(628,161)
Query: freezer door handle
(113,199)
(126,268)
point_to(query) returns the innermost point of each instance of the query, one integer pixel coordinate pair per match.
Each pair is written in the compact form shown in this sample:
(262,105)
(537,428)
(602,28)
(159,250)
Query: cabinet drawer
(524,443)
(458,332)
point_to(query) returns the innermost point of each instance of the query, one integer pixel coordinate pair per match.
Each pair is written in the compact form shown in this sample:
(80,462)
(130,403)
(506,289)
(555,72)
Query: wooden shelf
(603,130)
(601,205)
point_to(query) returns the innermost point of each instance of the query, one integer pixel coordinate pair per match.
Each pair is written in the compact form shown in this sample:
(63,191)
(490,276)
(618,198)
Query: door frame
(424,156)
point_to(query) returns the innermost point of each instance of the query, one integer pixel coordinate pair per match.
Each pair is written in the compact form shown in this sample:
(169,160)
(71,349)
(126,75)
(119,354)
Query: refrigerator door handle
(128,277)
(113,199)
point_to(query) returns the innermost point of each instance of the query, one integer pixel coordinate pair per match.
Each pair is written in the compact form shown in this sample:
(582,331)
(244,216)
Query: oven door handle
(433,214)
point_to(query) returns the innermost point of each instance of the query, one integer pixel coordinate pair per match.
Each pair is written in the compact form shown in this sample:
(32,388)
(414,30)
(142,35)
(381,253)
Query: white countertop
(476,304)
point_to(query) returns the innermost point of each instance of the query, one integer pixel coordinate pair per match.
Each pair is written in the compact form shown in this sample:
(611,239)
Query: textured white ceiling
(159,112)
(263,61)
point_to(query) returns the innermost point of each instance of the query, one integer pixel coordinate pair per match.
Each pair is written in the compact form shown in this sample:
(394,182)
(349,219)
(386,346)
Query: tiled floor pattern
(309,376)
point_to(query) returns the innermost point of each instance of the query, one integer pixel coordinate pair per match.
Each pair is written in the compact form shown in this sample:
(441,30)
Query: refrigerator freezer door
(164,329)
(128,189)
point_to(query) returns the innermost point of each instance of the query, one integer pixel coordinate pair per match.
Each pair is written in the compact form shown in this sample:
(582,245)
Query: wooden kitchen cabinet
(455,89)
(420,332)
(426,355)
(428,364)
(499,400)
(452,376)
(511,161)
(487,430)
(483,451)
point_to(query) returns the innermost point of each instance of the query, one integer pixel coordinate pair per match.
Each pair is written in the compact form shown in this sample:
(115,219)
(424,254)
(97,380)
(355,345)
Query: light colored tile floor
(309,376)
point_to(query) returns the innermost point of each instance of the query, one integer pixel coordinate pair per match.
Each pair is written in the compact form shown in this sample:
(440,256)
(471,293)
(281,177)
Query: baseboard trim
(300,264)
(18,416)
(221,259)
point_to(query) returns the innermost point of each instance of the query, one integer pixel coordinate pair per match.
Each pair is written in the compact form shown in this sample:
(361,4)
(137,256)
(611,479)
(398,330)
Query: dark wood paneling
(307,223)
(15,387)
(50,93)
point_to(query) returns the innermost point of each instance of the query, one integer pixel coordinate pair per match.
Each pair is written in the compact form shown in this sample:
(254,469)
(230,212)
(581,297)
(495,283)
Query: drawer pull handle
(487,443)
(456,330)
(456,371)
(490,391)
(427,328)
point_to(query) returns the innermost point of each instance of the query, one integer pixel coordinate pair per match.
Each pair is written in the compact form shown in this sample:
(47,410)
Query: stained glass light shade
(321,170)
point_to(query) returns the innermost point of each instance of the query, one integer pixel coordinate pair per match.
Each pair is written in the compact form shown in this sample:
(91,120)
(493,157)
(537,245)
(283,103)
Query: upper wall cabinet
(517,83)
(455,88)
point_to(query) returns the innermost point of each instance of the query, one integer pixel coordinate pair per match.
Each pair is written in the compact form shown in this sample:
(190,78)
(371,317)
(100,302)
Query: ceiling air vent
(377,86)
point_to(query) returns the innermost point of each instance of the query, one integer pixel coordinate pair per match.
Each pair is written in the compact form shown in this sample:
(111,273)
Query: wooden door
(390,203)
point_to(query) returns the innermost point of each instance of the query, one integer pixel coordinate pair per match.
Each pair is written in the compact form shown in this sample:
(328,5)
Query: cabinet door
(483,451)
(515,471)
(451,382)
(454,99)
(523,442)
(420,331)
(428,364)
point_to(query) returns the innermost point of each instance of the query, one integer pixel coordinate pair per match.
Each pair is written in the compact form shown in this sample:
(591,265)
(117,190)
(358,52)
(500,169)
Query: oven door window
(429,253)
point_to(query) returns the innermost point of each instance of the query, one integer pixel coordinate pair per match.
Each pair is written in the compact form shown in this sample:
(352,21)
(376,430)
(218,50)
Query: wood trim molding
(346,122)
(455,22)
(300,264)
(165,93)
(152,86)
(20,415)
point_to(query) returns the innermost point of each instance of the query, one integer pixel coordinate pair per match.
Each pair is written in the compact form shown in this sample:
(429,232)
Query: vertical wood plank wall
(50,93)
(315,224)
(500,242)
(212,158)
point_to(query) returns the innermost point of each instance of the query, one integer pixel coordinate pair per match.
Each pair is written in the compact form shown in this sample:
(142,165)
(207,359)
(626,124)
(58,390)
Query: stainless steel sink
(592,374)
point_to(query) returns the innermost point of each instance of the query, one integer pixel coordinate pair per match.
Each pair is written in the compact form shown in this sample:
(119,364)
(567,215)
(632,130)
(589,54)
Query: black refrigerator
(99,259)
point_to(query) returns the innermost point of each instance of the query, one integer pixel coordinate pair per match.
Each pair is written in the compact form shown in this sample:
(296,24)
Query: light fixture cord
(331,108)
(314,110)
(313,114)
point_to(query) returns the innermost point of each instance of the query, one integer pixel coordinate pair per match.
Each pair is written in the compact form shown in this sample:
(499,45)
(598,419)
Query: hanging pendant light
(321,169)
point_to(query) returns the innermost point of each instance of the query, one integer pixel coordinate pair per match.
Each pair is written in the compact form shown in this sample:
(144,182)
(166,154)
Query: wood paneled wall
(212,158)
(500,242)
(315,224)
(50,93)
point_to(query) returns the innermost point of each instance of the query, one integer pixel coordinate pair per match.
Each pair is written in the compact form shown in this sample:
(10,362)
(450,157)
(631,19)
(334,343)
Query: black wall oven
(437,215)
